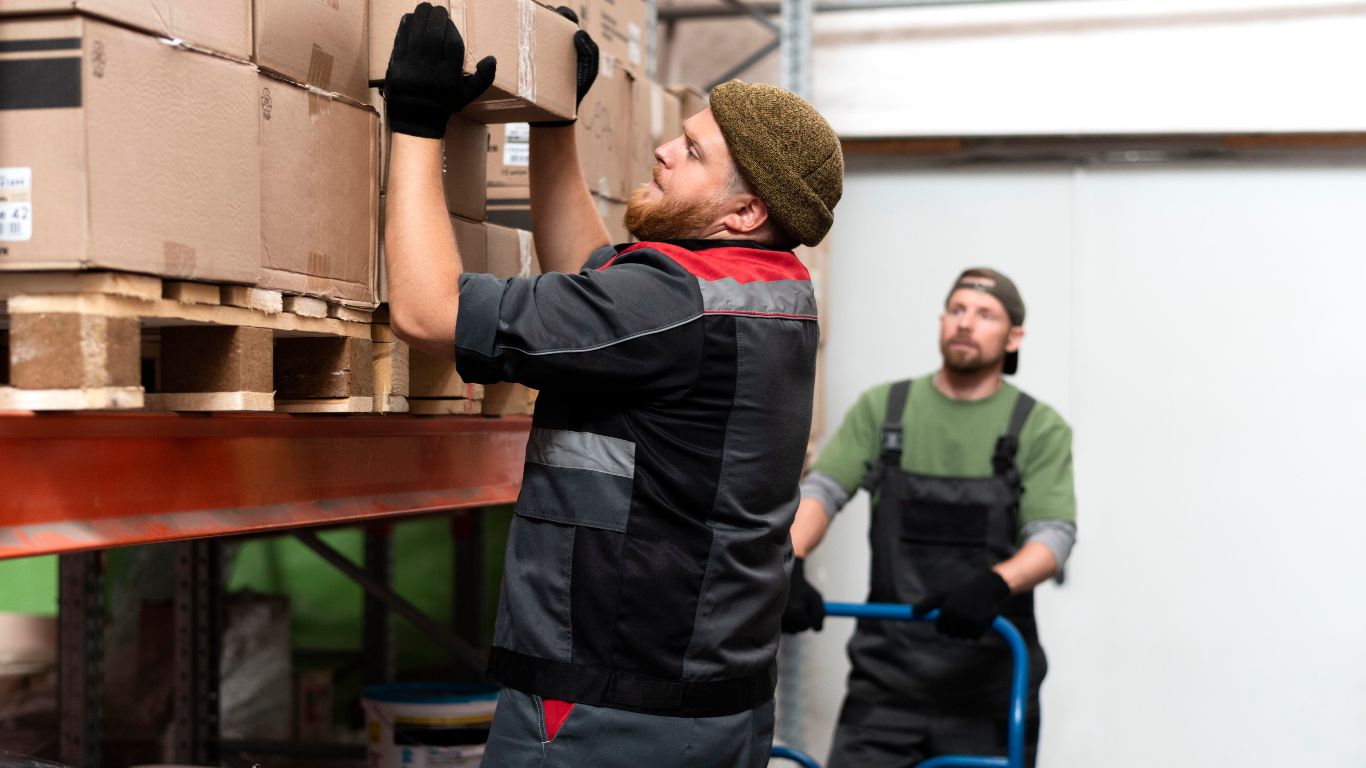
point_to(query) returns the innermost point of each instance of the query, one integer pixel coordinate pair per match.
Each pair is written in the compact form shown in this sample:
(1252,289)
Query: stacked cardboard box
(234,141)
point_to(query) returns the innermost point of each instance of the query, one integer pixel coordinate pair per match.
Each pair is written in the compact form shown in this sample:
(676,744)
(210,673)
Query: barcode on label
(16,221)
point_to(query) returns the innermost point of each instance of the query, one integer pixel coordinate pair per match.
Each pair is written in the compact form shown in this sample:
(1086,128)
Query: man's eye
(692,153)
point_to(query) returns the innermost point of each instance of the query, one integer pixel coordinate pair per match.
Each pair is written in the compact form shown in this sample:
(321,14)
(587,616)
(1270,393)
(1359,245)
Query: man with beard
(973,506)
(647,562)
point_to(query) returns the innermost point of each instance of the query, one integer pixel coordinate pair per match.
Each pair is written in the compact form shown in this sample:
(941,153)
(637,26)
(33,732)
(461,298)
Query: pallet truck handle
(1019,682)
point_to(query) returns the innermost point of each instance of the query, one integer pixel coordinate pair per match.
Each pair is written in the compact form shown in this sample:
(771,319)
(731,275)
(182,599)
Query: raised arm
(423,87)
(564,220)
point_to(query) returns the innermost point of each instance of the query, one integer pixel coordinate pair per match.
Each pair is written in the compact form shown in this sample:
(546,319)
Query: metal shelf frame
(76,482)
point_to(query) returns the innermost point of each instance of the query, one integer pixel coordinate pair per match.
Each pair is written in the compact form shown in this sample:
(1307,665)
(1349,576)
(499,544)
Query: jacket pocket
(578,478)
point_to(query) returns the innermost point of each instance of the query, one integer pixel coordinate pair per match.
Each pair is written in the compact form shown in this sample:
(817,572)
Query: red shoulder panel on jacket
(744,265)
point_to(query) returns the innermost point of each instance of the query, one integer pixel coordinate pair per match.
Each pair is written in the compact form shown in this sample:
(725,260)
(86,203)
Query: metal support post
(795,48)
(467,591)
(378,619)
(198,628)
(80,633)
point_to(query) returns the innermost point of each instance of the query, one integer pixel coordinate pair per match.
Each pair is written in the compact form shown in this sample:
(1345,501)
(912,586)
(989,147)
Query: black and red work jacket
(645,563)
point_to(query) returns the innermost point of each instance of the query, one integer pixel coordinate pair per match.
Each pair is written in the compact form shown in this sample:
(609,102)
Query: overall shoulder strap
(1003,461)
(892,437)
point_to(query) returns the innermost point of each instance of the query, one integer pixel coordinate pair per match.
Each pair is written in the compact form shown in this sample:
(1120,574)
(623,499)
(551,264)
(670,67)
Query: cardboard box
(619,27)
(509,207)
(466,146)
(322,43)
(319,194)
(510,252)
(121,152)
(470,240)
(603,131)
(690,100)
(655,119)
(509,155)
(223,26)
(533,44)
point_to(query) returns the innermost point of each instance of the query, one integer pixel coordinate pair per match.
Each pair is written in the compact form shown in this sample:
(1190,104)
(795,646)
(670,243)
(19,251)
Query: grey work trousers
(612,738)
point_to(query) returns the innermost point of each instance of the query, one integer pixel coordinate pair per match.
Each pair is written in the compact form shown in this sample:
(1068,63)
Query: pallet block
(92,340)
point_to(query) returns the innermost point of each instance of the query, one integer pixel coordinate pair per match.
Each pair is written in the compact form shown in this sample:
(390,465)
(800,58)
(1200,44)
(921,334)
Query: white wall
(1092,66)
(1199,326)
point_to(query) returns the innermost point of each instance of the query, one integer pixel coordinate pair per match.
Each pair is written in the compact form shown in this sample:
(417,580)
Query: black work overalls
(930,534)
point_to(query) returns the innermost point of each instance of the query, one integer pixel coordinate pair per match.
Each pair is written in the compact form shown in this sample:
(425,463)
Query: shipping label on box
(123,152)
(16,203)
(221,26)
(319,194)
(509,155)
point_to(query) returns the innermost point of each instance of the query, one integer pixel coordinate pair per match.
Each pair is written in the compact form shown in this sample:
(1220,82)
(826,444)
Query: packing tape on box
(178,259)
(524,244)
(320,65)
(526,72)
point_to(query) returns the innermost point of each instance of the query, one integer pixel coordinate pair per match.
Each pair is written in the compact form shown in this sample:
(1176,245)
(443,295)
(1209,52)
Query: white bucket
(427,725)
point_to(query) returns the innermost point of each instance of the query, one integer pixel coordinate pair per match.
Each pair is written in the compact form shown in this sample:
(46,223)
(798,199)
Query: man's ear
(1013,340)
(746,215)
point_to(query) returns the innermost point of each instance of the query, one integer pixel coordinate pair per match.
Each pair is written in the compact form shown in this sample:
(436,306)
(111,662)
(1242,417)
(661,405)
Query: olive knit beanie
(786,151)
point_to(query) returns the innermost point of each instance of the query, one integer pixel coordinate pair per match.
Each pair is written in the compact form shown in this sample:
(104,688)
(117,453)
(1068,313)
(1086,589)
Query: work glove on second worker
(805,606)
(967,611)
(585,67)
(424,84)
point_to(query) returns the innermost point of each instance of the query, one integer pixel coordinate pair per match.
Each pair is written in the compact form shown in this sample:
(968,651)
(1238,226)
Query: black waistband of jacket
(598,687)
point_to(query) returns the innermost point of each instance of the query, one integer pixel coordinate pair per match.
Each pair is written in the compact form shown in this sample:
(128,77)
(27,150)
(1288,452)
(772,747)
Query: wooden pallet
(104,340)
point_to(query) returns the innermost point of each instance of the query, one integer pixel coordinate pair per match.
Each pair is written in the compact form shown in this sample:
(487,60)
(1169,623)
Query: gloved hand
(966,612)
(805,606)
(424,84)
(586,68)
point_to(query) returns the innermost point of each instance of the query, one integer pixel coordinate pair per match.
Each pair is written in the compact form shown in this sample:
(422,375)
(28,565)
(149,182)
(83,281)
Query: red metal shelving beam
(71,482)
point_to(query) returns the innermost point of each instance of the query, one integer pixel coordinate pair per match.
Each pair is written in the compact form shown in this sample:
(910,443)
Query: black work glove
(424,84)
(967,611)
(585,70)
(805,606)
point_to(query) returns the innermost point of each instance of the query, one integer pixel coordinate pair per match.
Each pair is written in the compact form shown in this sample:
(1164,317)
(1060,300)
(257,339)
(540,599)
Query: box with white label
(124,151)
(509,155)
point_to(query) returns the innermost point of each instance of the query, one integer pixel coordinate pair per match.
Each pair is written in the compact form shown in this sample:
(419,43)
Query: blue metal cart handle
(1019,681)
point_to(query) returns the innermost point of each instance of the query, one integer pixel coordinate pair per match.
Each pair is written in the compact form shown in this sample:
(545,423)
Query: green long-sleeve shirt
(956,438)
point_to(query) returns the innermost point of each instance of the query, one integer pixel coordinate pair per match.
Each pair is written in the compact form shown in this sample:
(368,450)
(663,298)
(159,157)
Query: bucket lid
(430,693)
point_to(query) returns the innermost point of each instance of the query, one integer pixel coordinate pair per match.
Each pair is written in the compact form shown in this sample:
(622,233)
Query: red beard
(666,218)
